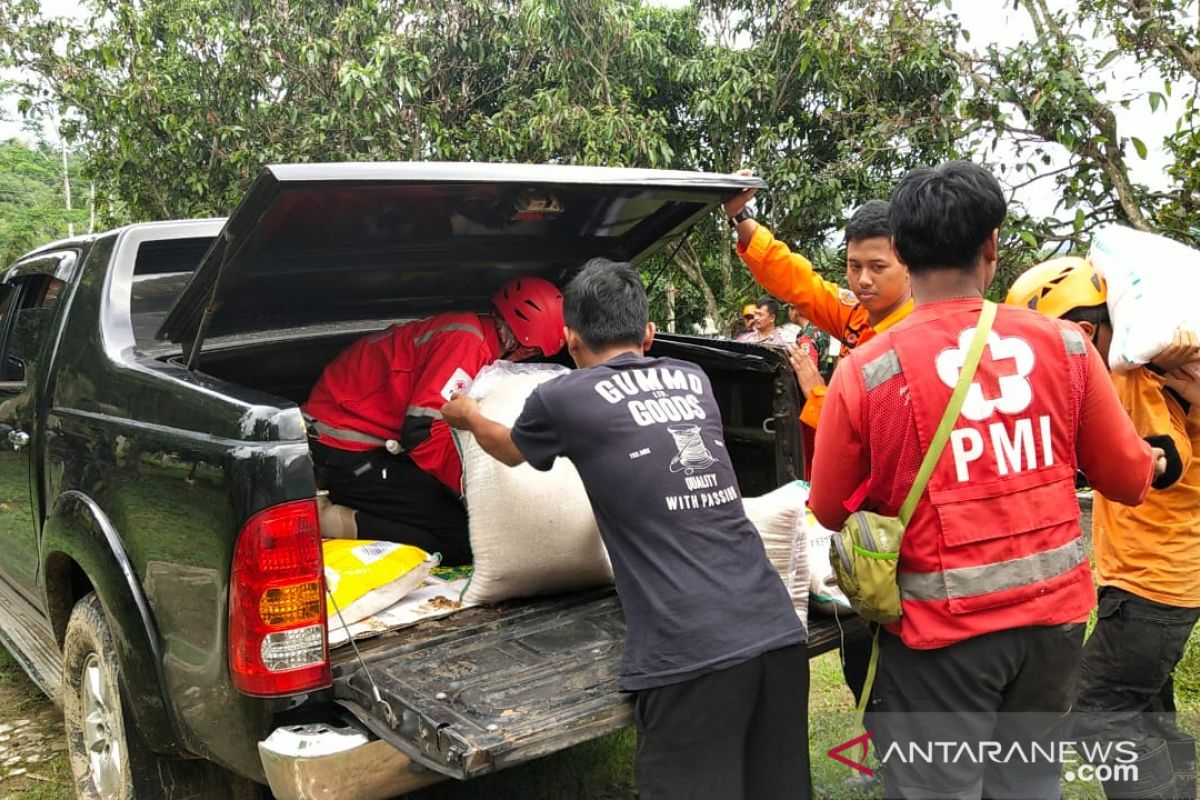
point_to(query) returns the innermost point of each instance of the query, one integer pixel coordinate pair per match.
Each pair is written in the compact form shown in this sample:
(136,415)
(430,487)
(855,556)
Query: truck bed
(495,686)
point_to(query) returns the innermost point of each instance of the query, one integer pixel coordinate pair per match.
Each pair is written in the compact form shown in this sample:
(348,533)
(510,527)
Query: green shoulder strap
(982,329)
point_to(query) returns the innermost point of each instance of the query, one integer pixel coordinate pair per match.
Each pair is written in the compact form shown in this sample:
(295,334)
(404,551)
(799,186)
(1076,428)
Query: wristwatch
(739,217)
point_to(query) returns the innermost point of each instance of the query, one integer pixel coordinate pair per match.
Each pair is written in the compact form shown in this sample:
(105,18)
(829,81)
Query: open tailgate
(491,687)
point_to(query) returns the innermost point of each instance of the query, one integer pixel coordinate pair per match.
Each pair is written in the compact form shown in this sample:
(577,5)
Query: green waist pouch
(864,555)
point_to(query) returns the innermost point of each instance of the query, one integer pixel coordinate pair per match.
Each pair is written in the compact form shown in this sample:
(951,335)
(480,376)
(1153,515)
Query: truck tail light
(277,641)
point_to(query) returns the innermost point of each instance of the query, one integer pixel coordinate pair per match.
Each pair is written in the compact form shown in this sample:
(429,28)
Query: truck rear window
(160,272)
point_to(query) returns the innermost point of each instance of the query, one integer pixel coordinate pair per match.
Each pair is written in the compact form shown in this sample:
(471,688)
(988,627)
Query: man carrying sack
(994,585)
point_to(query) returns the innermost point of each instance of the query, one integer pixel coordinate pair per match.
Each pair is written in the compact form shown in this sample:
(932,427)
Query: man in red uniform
(375,414)
(994,578)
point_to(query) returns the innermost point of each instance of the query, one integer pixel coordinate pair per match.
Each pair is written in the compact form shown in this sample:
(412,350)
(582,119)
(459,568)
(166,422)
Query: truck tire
(109,758)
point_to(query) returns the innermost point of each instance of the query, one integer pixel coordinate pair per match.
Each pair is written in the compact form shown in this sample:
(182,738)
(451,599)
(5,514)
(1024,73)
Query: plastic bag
(498,372)
(364,577)
(1152,283)
(823,591)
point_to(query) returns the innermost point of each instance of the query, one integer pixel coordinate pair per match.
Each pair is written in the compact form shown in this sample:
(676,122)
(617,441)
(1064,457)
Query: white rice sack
(779,518)
(1152,285)
(531,532)
(823,591)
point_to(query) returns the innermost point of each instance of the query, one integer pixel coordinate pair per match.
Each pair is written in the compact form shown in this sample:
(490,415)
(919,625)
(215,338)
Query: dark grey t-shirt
(645,435)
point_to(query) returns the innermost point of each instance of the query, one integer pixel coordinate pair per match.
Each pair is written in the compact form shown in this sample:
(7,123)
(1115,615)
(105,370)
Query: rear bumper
(322,762)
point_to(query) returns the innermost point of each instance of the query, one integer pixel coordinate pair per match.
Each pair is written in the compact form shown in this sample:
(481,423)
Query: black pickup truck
(162,575)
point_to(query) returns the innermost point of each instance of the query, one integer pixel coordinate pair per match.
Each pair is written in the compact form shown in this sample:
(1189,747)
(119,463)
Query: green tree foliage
(178,103)
(1053,98)
(32,207)
(1167,35)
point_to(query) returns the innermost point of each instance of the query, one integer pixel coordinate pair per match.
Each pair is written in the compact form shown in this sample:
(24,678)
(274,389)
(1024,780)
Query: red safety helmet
(532,307)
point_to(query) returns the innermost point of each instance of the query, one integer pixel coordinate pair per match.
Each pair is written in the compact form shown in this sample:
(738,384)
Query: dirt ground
(33,761)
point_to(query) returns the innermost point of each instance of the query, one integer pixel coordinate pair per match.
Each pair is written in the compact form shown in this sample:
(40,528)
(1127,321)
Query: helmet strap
(508,339)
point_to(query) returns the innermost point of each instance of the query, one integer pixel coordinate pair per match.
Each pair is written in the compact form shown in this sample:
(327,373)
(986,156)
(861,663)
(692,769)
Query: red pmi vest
(364,395)
(995,541)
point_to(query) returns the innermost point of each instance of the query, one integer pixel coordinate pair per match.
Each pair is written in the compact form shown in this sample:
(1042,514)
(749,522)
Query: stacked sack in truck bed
(798,548)
(534,532)
(531,532)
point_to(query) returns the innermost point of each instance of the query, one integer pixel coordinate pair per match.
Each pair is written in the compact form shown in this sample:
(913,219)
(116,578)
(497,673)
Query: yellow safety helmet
(1057,286)
(749,310)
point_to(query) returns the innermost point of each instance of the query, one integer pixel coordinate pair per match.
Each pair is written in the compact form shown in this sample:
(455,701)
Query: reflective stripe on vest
(343,434)
(421,411)
(1075,343)
(997,577)
(454,326)
(880,369)
(391,445)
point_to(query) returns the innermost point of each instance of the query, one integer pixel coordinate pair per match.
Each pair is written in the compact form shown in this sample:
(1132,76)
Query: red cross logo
(1002,379)
(991,370)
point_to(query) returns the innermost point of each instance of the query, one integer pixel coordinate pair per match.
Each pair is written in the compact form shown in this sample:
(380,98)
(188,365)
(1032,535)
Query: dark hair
(606,304)
(942,216)
(770,302)
(1097,315)
(870,221)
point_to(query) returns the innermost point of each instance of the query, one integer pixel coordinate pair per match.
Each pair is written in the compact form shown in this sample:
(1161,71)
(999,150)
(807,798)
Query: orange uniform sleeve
(841,463)
(1110,452)
(791,277)
(1157,416)
(810,415)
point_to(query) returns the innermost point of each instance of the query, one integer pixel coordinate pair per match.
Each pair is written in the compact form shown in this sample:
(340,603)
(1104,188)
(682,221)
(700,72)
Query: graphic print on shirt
(667,402)
(1001,385)
(692,455)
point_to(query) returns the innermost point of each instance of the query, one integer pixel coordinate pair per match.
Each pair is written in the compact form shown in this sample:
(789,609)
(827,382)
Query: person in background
(765,315)
(715,654)
(374,421)
(800,331)
(878,298)
(1146,556)
(994,580)
(749,315)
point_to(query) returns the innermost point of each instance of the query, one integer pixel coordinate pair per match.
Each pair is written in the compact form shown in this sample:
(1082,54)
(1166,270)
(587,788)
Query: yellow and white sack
(364,577)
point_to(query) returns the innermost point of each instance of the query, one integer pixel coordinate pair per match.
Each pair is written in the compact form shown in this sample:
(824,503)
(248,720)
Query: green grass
(598,770)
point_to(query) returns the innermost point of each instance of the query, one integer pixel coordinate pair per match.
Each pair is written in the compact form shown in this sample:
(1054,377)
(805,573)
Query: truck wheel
(109,758)
(97,727)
